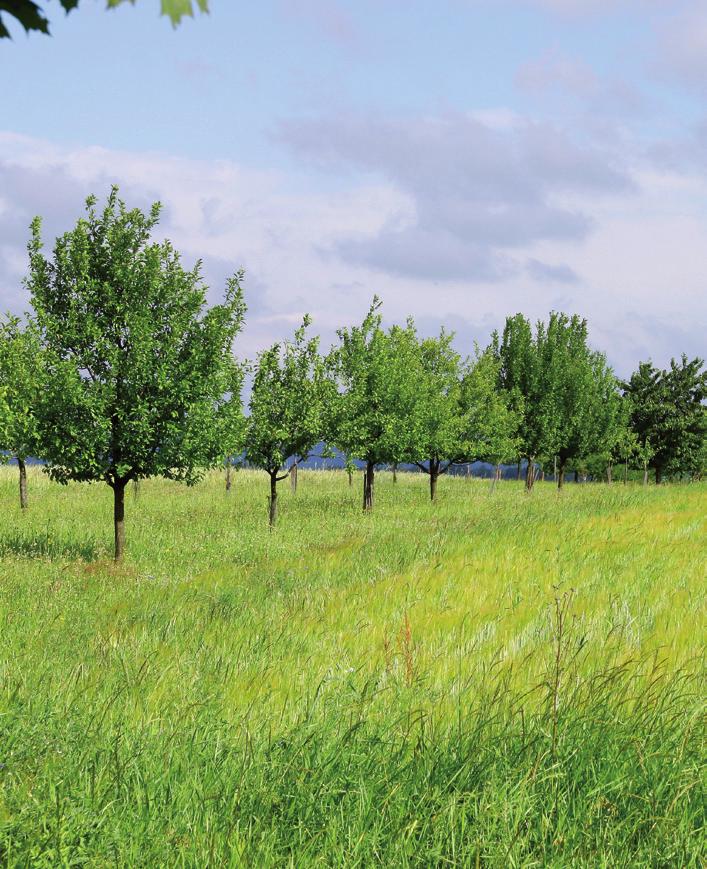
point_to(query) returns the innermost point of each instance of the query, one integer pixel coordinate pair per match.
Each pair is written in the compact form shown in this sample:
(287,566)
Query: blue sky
(464,159)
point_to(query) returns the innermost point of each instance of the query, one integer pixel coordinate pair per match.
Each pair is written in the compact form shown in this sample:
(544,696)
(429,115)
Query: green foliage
(669,416)
(140,377)
(567,394)
(491,418)
(440,425)
(373,416)
(33,17)
(287,404)
(518,377)
(21,379)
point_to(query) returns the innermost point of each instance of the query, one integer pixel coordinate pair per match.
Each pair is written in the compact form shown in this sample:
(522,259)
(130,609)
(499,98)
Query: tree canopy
(565,392)
(140,376)
(287,407)
(373,415)
(669,416)
(440,418)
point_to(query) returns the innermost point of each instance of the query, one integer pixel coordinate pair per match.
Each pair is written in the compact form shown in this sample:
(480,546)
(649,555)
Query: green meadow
(497,679)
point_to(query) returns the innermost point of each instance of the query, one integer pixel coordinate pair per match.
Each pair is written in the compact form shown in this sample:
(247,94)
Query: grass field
(494,680)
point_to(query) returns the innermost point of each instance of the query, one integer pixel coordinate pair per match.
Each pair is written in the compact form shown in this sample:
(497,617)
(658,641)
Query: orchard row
(123,372)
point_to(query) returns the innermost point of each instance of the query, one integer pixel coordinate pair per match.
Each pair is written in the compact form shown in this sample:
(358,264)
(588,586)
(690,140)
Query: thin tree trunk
(293,478)
(368,483)
(576,476)
(530,474)
(119,519)
(658,475)
(625,472)
(645,474)
(560,473)
(395,472)
(273,500)
(228,474)
(23,483)
(349,471)
(434,475)
(609,473)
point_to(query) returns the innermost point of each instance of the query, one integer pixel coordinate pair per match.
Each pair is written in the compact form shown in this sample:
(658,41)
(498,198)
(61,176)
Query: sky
(462,159)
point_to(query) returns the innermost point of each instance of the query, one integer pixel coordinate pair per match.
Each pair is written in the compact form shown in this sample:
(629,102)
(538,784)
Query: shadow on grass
(44,545)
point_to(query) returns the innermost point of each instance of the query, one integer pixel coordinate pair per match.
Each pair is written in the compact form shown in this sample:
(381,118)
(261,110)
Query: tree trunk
(23,483)
(293,478)
(119,520)
(609,473)
(530,473)
(576,476)
(273,499)
(560,475)
(626,472)
(658,475)
(368,483)
(395,472)
(228,474)
(645,474)
(349,471)
(434,476)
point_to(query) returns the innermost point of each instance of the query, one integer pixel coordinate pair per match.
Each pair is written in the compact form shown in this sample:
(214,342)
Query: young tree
(287,407)
(21,377)
(441,418)
(373,415)
(141,380)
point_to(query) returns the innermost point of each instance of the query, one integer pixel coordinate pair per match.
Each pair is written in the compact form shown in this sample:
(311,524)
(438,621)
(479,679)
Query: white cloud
(639,276)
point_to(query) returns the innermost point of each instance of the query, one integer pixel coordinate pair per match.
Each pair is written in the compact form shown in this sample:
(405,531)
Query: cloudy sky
(463,159)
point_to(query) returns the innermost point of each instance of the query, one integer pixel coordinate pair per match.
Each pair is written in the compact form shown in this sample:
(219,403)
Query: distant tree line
(122,372)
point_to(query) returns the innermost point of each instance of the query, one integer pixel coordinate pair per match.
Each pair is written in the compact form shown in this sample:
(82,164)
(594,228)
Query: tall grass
(494,680)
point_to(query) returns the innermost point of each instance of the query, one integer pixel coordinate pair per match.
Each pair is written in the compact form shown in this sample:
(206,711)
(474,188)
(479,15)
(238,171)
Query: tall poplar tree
(141,379)
(566,393)
(580,395)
